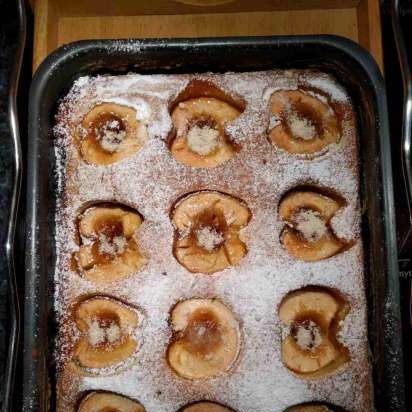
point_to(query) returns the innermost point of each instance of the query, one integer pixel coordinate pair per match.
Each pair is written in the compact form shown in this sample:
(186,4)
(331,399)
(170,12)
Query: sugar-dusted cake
(208,243)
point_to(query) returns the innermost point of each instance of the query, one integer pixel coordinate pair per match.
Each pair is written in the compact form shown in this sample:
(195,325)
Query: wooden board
(58,22)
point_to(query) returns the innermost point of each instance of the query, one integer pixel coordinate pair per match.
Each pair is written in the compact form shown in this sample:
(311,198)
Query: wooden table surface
(58,22)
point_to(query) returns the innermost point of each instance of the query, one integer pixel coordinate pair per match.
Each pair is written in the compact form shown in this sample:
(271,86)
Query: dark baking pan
(353,68)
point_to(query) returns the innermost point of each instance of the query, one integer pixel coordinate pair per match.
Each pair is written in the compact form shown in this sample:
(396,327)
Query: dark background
(9,30)
(404,228)
(8,39)
(8,42)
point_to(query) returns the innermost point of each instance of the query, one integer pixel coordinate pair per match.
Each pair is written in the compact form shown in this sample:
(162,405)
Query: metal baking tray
(353,67)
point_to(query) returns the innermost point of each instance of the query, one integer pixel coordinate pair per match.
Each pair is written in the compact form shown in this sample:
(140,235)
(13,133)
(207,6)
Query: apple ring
(207,231)
(311,349)
(304,124)
(200,115)
(206,339)
(307,235)
(206,407)
(102,401)
(310,407)
(109,133)
(108,250)
(106,327)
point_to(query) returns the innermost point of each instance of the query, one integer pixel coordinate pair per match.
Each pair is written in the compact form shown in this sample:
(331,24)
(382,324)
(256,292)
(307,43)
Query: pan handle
(14,336)
(406,146)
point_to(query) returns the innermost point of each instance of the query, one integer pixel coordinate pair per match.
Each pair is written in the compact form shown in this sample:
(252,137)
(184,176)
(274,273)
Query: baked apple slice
(101,401)
(308,236)
(207,231)
(309,408)
(206,339)
(109,133)
(305,125)
(106,327)
(311,349)
(206,407)
(108,250)
(200,115)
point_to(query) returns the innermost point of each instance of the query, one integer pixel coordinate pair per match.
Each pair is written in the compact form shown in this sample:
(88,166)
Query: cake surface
(152,181)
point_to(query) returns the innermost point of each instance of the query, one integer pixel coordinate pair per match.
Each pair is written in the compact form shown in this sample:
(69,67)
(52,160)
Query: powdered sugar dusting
(152,181)
(99,334)
(307,335)
(113,247)
(322,82)
(202,140)
(209,238)
(300,127)
(310,224)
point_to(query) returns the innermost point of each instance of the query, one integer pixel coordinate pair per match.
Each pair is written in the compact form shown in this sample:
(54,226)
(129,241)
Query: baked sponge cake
(209,254)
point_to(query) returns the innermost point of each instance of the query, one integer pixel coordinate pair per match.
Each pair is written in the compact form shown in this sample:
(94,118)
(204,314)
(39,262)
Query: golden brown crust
(67,388)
